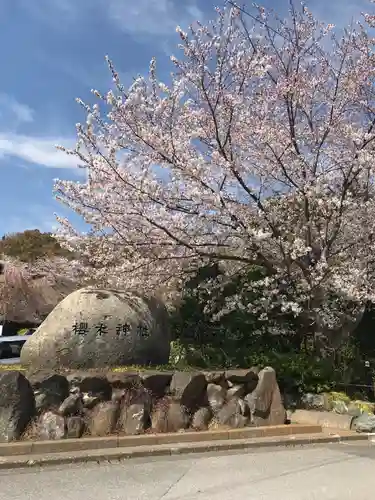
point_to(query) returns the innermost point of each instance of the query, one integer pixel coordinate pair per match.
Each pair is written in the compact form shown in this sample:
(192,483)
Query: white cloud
(38,150)
(160,17)
(13,111)
(152,17)
(139,17)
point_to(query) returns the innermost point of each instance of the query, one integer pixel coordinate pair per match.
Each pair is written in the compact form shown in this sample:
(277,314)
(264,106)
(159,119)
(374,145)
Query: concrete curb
(126,453)
(113,442)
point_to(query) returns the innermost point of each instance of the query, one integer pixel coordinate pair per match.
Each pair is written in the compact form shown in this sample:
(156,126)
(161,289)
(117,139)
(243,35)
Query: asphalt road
(340,471)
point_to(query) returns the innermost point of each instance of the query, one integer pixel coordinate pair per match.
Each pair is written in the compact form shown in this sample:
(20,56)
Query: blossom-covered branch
(259,152)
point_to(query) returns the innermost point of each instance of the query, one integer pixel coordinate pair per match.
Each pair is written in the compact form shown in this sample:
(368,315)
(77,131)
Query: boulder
(71,406)
(217,378)
(340,407)
(244,380)
(103,419)
(354,411)
(312,401)
(356,408)
(96,328)
(94,390)
(180,380)
(169,416)
(364,423)
(74,427)
(191,389)
(135,415)
(233,414)
(236,391)
(50,391)
(216,395)
(134,419)
(265,402)
(157,384)
(50,426)
(201,419)
(17,405)
(124,380)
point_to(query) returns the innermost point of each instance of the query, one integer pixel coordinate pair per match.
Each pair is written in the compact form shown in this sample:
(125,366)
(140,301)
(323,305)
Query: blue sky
(52,51)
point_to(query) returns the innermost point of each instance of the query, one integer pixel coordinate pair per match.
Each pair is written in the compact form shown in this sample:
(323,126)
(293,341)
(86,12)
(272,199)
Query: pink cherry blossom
(259,150)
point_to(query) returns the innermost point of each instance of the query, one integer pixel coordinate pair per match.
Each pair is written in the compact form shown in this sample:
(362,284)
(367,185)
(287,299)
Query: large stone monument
(97,328)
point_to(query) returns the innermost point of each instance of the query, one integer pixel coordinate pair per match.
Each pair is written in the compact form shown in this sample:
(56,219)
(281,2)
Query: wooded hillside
(31,245)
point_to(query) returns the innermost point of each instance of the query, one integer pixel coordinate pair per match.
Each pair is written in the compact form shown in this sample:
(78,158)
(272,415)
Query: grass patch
(118,369)
(162,368)
(4,368)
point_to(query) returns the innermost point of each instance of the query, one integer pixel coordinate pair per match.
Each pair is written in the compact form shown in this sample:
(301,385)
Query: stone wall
(72,404)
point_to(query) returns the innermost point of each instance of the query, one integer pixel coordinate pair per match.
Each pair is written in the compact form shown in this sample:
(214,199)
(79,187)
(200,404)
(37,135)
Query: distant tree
(31,245)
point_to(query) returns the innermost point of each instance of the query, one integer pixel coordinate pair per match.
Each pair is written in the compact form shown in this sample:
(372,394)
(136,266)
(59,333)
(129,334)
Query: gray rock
(354,411)
(17,405)
(312,401)
(71,406)
(138,396)
(103,418)
(236,391)
(50,426)
(135,416)
(95,328)
(50,391)
(236,375)
(41,402)
(94,390)
(233,414)
(169,416)
(180,380)
(244,380)
(157,384)
(201,419)
(134,419)
(124,380)
(217,378)
(356,408)
(216,396)
(74,427)
(364,423)
(191,389)
(339,407)
(265,402)
(118,395)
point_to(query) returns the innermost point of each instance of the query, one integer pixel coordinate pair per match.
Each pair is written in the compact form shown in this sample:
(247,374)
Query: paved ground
(330,472)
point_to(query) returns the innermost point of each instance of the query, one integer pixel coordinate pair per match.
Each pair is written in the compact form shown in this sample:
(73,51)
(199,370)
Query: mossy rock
(362,406)
(338,396)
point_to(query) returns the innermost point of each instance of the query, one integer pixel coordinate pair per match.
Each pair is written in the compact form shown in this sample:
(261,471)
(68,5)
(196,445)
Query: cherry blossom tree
(259,151)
